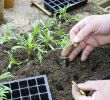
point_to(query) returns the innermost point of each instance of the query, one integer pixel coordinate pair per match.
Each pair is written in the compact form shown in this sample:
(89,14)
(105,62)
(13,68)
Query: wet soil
(96,67)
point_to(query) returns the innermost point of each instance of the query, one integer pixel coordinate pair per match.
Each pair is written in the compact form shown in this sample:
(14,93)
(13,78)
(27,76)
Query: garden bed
(96,67)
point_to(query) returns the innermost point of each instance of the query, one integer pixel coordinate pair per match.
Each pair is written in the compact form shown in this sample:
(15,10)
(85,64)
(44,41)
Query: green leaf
(5,75)
(17,47)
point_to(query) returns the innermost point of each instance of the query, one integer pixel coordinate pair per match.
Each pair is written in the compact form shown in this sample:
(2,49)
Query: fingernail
(76,39)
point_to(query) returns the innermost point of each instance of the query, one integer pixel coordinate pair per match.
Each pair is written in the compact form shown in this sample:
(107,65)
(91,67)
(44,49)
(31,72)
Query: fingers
(86,52)
(76,51)
(91,85)
(83,33)
(76,94)
(76,29)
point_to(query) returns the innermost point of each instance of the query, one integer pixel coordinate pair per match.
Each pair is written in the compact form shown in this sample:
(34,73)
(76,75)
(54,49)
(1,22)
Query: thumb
(77,95)
(90,85)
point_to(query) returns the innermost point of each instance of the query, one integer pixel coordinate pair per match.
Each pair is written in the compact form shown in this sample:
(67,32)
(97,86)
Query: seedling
(27,43)
(40,52)
(12,61)
(7,35)
(4,89)
(5,75)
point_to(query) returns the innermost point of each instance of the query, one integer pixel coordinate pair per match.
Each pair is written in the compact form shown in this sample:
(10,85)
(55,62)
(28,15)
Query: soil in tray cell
(16,94)
(24,92)
(33,90)
(23,84)
(44,96)
(35,97)
(32,82)
(14,86)
(40,81)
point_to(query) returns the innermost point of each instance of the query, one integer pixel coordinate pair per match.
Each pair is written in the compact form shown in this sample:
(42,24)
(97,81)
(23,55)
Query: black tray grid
(55,5)
(34,88)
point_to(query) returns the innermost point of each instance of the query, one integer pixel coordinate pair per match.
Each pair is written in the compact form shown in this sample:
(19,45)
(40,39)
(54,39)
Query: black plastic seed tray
(55,5)
(34,88)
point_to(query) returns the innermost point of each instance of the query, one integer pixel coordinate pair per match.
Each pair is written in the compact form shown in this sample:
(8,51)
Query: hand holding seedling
(89,33)
(101,90)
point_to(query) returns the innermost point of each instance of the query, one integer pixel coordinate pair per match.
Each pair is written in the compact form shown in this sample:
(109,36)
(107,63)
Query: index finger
(73,32)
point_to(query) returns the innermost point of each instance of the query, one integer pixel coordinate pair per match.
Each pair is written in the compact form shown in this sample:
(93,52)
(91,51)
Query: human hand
(91,32)
(101,88)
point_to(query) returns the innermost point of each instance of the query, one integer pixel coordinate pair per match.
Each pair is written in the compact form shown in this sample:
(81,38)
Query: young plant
(27,43)
(63,12)
(62,42)
(46,39)
(5,75)
(12,61)
(4,89)
(7,35)
(40,52)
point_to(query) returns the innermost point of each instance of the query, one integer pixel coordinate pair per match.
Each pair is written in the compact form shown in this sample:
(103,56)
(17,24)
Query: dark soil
(96,67)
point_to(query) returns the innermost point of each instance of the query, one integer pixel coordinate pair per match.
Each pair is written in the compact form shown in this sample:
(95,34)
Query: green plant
(62,42)
(46,39)
(63,12)
(12,61)
(5,75)
(7,35)
(27,42)
(40,52)
(4,89)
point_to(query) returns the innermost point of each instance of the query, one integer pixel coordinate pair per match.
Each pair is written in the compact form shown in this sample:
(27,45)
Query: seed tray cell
(34,88)
(54,5)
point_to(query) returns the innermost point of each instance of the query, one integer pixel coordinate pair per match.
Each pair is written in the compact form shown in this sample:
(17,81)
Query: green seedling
(7,35)
(7,38)
(62,42)
(27,43)
(5,75)
(4,89)
(46,39)
(40,52)
(37,30)
(12,61)
(49,23)
(63,12)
